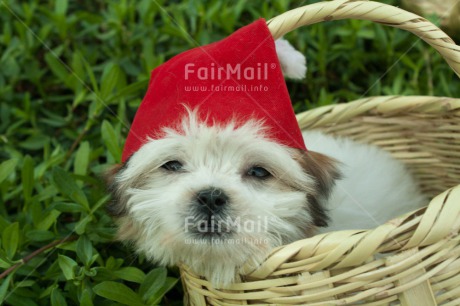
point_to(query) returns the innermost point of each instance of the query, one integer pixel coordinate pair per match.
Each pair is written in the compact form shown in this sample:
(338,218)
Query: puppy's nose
(213,199)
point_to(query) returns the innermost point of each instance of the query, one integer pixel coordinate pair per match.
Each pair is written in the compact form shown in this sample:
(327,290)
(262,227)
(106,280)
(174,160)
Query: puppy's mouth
(209,227)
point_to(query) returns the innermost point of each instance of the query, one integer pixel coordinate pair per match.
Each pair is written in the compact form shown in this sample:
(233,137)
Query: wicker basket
(411,260)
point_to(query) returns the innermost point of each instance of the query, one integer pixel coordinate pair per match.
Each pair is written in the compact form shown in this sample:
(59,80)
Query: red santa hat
(238,77)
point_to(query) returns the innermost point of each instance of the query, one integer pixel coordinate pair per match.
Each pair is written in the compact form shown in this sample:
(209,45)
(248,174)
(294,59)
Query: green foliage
(72,75)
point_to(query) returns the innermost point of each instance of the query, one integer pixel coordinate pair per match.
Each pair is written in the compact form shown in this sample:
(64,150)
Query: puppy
(215,197)
(221,183)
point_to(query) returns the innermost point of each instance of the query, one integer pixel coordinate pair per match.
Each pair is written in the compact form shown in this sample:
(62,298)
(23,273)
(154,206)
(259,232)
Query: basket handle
(373,11)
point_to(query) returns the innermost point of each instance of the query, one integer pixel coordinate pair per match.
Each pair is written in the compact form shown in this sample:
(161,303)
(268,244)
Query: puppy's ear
(325,172)
(117,205)
(323,168)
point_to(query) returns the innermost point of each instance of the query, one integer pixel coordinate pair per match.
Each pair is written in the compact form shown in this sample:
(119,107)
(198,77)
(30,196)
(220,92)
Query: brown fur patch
(117,205)
(109,175)
(127,229)
(324,170)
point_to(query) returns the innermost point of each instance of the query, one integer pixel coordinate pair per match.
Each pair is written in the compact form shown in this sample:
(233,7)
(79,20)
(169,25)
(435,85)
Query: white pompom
(293,63)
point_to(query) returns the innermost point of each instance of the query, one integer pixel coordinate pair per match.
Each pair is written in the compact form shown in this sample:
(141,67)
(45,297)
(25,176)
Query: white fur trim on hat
(293,63)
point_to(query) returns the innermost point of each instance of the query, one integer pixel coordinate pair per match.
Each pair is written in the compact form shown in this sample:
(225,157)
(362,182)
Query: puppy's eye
(258,172)
(172,165)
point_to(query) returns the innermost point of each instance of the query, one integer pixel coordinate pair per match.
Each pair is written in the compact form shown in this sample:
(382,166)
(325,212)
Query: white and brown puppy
(217,197)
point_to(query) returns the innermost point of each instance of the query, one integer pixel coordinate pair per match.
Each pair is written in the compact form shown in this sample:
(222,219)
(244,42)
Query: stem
(35,253)
(76,143)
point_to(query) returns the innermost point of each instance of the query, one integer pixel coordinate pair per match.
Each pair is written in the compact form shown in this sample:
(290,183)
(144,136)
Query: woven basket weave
(411,260)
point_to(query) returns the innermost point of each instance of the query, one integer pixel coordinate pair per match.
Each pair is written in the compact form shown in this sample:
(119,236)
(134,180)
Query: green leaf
(35,142)
(153,283)
(117,292)
(100,202)
(3,223)
(84,250)
(110,78)
(67,207)
(67,186)
(4,287)
(6,168)
(4,264)
(40,235)
(86,298)
(27,177)
(82,159)
(48,220)
(10,239)
(80,227)
(131,274)
(10,67)
(14,299)
(110,139)
(47,292)
(92,77)
(78,66)
(26,283)
(170,282)
(131,89)
(60,7)
(58,68)
(113,263)
(67,266)
(57,299)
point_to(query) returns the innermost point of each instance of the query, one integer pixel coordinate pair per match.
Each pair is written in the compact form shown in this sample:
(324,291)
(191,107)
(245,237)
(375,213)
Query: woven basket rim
(384,105)
(373,11)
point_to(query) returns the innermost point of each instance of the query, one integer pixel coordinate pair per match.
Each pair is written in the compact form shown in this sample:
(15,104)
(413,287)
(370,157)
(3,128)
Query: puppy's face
(216,197)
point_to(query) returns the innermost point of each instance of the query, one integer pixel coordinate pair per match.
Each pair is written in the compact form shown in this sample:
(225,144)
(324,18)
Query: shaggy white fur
(374,188)
(158,209)
(293,63)
(261,215)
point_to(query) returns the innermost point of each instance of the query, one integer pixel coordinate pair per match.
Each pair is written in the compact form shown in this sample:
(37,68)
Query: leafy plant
(72,74)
